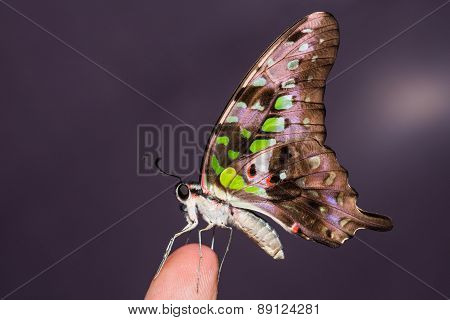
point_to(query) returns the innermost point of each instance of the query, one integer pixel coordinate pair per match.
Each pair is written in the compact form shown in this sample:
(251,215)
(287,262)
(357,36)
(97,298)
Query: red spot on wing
(268,182)
(295,228)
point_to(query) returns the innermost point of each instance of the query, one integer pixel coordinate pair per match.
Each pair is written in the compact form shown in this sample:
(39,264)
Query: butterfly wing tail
(376,221)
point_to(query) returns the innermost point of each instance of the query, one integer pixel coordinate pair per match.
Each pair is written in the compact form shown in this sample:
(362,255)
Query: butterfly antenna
(164,172)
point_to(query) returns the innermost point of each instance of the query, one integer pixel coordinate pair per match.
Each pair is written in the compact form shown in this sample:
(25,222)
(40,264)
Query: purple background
(68,137)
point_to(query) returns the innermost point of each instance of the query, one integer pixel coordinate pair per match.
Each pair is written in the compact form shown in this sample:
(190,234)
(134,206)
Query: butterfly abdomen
(259,231)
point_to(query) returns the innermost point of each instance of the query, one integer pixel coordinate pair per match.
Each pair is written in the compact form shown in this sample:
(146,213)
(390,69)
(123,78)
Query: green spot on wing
(261,144)
(293,64)
(283,102)
(233,154)
(273,125)
(241,104)
(238,183)
(257,106)
(222,140)
(216,165)
(232,119)
(227,176)
(245,133)
(259,82)
(251,189)
(288,84)
(255,190)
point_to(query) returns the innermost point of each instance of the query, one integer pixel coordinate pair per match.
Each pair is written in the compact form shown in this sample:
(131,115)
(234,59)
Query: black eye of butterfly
(183,192)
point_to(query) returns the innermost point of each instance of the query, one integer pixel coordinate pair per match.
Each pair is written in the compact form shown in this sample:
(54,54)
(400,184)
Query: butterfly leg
(187,228)
(226,249)
(213,235)
(208,227)
(188,236)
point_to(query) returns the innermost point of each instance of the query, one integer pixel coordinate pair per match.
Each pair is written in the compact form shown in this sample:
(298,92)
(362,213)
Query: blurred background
(68,137)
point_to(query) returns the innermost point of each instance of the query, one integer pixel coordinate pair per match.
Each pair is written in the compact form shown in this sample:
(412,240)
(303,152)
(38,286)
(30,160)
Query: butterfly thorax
(211,209)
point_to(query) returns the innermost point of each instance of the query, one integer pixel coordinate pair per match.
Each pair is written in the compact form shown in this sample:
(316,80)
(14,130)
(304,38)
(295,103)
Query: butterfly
(266,158)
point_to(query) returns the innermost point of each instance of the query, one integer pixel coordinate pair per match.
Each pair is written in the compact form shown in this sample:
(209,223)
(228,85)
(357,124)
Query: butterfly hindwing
(267,151)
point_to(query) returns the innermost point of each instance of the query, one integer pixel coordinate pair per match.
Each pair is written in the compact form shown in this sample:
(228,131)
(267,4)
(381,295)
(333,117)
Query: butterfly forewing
(267,153)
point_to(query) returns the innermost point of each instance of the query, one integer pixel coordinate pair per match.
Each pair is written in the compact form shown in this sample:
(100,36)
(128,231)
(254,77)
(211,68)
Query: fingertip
(178,278)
